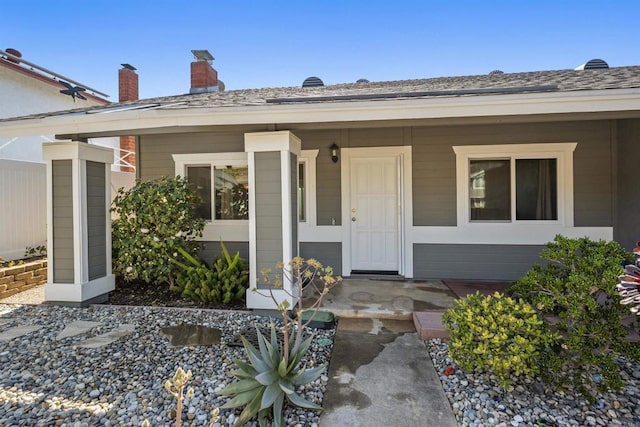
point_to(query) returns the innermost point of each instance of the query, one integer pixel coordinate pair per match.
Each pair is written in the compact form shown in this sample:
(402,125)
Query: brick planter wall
(22,277)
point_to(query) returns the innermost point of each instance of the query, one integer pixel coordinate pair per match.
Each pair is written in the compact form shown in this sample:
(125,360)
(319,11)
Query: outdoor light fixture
(334,152)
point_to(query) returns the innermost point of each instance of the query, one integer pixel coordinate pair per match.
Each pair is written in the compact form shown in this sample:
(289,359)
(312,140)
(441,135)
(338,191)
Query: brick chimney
(204,78)
(127,91)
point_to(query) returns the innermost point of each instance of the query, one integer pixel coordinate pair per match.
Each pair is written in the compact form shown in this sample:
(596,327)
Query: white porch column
(273,224)
(78,223)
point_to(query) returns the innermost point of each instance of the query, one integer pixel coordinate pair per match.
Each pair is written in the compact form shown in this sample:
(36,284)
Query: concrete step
(429,324)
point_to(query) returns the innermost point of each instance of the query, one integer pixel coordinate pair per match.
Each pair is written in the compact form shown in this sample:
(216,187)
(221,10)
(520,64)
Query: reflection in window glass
(301,193)
(536,189)
(490,190)
(231,192)
(199,179)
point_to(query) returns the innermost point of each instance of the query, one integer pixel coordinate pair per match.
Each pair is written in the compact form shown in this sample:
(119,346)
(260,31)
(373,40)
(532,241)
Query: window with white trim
(222,182)
(519,183)
(307,187)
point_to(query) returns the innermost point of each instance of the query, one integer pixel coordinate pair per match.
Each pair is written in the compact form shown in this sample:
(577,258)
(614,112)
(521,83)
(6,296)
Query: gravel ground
(529,402)
(34,295)
(48,382)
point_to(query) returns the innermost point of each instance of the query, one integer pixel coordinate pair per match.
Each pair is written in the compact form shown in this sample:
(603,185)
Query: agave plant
(271,376)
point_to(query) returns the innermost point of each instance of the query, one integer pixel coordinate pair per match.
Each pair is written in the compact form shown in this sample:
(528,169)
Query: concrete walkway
(381,375)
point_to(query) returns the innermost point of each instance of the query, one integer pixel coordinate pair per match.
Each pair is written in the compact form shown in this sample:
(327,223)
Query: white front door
(374,213)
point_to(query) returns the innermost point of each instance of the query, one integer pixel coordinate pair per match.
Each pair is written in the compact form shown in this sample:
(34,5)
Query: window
(222,182)
(302,205)
(515,183)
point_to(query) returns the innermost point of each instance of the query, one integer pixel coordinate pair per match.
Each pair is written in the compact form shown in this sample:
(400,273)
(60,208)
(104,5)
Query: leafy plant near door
(277,366)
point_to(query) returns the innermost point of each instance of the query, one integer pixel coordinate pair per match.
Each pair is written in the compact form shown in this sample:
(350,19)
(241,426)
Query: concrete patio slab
(386,299)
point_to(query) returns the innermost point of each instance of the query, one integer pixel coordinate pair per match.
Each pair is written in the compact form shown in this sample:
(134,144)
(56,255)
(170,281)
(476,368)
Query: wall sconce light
(334,152)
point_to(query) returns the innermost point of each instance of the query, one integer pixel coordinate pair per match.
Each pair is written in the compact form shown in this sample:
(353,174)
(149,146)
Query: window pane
(301,193)
(232,192)
(490,190)
(536,189)
(199,178)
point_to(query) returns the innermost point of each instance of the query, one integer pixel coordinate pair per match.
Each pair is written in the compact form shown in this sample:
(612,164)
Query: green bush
(225,281)
(499,334)
(576,293)
(154,219)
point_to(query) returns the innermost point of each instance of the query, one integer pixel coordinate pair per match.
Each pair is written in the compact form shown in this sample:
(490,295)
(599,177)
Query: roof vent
(362,81)
(496,72)
(312,82)
(594,64)
(15,53)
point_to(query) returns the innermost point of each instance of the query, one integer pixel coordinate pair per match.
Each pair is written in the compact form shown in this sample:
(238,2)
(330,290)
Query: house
(456,177)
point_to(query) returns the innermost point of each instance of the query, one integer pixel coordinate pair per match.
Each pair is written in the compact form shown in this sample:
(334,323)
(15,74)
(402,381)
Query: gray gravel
(478,401)
(49,382)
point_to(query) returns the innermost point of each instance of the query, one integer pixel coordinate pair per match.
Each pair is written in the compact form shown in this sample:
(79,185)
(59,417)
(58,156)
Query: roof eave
(584,101)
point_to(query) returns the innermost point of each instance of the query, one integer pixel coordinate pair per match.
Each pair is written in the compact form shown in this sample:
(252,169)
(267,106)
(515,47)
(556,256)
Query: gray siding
(154,151)
(434,175)
(268,211)
(478,262)
(62,221)
(96,220)
(328,202)
(329,254)
(627,228)
(212,249)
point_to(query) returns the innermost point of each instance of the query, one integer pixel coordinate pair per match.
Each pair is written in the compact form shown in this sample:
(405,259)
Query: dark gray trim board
(477,262)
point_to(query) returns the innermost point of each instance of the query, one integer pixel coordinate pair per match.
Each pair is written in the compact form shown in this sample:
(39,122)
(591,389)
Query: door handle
(353,219)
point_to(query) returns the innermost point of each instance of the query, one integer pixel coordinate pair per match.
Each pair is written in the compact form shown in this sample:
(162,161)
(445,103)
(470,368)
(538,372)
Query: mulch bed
(145,294)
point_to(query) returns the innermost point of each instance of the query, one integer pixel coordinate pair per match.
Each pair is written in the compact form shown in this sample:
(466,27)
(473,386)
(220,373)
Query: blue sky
(280,43)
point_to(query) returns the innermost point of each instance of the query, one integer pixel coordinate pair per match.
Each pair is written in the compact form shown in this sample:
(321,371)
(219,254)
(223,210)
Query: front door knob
(353,218)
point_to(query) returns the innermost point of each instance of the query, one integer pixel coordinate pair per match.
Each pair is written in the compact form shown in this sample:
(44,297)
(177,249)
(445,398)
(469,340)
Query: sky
(280,43)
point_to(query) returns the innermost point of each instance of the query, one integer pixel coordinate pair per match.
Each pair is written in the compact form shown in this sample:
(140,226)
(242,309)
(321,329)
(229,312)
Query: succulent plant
(629,286)
(271,376)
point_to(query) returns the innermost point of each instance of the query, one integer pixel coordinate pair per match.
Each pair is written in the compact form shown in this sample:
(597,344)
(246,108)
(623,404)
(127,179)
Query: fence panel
(23,207)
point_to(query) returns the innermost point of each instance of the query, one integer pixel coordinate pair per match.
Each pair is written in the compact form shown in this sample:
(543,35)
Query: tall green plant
(276,368)
(154,219)
(226,280)
(576,293)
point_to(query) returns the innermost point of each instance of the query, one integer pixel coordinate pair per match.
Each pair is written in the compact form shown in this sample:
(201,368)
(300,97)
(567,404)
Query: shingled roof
(489,84)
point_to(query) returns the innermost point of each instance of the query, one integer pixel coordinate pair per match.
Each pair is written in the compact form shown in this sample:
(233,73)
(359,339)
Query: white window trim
(563,152)
(227,230)
(308,158)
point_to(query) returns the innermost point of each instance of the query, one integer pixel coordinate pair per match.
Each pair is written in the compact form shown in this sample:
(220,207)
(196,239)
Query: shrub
(576,293)
(501,335)
(276,368)
(225,281)
(154,219)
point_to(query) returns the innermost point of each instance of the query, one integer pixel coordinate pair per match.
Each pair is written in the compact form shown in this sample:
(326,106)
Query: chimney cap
(202,55)
(128,67)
